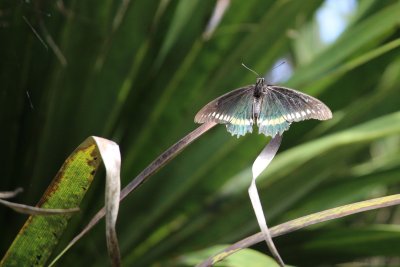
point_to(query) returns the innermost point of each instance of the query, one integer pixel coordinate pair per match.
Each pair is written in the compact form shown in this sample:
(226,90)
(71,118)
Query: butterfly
(272,108)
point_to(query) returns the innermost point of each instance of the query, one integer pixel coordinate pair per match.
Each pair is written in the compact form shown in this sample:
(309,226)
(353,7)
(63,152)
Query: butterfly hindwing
(234,109)
(271,120)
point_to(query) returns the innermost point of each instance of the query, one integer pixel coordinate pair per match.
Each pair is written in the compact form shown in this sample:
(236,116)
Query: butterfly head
(260,82)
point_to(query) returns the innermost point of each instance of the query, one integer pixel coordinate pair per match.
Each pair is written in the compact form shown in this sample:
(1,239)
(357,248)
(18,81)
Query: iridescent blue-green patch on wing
(271,120)
(241,118)
(235,109)
(240,127)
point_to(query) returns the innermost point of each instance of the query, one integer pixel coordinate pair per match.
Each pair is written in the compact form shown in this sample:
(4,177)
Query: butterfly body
(272,108)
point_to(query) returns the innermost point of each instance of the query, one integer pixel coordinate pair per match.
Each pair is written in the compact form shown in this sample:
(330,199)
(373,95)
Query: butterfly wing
(235,109)
(282,106)
(271,121)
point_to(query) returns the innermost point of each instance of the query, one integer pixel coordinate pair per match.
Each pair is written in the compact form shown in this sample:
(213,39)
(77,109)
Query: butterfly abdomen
(256,107)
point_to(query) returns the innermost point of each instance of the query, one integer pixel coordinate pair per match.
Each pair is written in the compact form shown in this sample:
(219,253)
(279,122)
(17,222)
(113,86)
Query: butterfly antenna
(258,75)
(280,64)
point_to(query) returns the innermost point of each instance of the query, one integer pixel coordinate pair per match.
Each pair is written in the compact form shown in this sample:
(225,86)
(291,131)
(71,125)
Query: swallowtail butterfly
(272,108)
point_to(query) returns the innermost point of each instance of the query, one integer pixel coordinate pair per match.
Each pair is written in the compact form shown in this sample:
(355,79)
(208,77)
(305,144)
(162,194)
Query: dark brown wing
(297,106)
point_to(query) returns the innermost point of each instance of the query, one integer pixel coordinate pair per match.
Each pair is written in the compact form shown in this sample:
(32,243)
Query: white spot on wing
(276,121)
(265,122)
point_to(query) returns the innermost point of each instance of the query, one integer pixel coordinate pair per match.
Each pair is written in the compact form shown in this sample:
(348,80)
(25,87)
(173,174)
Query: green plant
(138,71)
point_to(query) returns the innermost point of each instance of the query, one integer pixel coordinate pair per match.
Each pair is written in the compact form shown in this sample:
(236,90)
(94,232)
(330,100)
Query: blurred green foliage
(138,71)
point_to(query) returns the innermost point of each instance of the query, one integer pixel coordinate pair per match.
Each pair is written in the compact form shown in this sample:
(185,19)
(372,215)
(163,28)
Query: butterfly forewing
(235,109)
(297,106)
